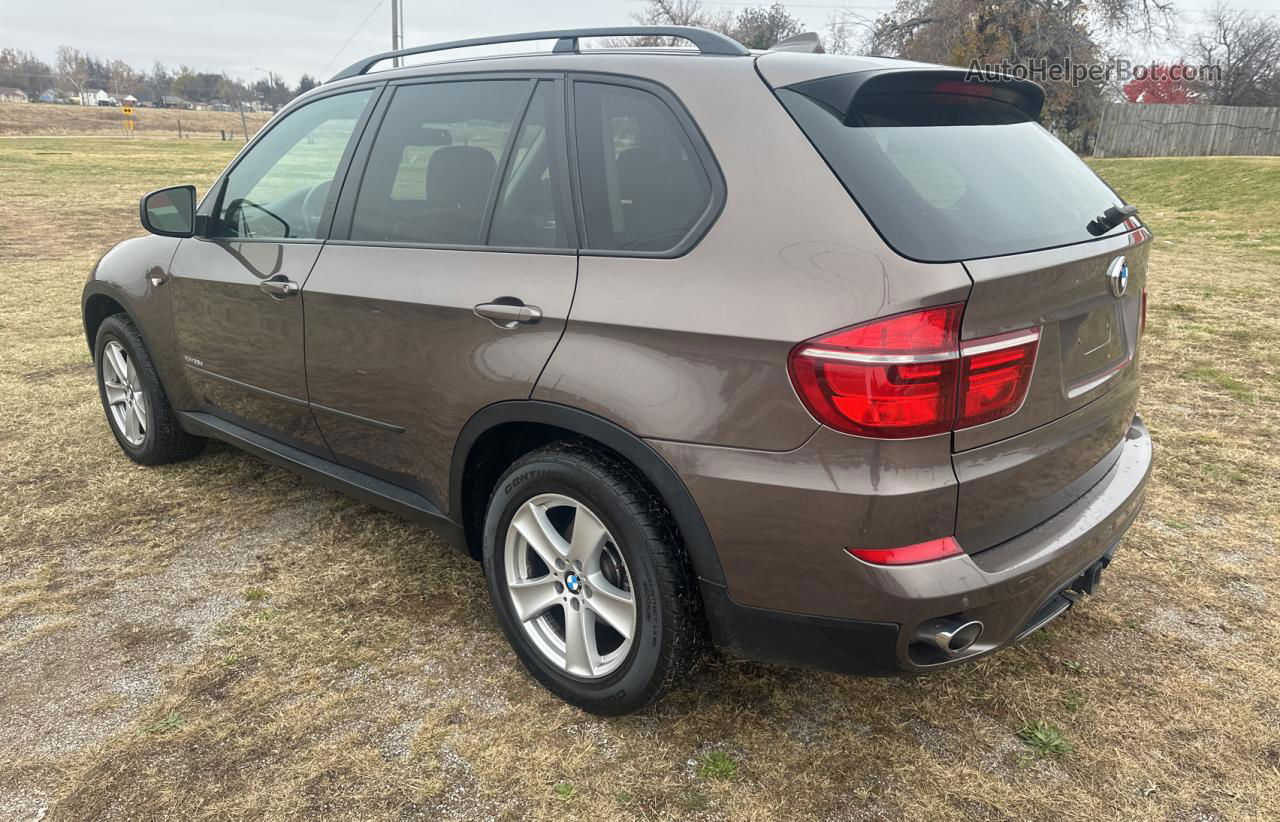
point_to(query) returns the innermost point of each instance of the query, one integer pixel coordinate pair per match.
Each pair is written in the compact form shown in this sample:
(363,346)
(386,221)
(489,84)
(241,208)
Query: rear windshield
(946,177)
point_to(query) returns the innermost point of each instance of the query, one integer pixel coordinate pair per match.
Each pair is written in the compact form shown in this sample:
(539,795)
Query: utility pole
(397,29)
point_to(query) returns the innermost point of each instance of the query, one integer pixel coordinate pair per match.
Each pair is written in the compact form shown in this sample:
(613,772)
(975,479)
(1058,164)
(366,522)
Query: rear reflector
(1142,320)
(908,376)
(910,554)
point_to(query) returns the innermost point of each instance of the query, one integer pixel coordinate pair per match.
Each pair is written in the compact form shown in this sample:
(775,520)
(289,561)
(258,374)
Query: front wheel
(137,409)
(589,580)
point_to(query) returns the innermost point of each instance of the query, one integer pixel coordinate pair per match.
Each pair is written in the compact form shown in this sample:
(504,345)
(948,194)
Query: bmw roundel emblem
(1118,276)
(573,582)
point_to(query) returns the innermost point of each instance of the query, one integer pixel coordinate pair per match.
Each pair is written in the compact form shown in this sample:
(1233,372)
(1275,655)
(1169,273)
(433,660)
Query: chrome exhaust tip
(951,636)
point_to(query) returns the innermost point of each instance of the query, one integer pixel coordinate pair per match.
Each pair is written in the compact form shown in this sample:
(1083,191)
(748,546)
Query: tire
(158,438)
(667,635)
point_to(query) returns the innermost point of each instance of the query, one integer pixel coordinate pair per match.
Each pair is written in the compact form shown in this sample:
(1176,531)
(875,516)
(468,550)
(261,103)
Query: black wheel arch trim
(693,529)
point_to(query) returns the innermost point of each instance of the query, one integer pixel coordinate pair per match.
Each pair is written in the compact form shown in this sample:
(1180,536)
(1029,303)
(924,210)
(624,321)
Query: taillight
(994,376)
(907,375)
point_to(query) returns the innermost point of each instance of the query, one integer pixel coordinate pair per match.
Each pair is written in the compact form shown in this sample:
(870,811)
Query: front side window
(281,188)
(643,187)
(433,166)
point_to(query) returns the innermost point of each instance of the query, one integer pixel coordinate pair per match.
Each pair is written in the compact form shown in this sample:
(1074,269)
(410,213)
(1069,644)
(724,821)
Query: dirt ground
(222,640)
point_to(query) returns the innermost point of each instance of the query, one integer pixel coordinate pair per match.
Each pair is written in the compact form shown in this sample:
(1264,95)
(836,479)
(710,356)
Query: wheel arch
(501,432)
(98,304)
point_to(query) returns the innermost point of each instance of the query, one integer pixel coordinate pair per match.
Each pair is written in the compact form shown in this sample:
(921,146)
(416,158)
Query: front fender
(132,276)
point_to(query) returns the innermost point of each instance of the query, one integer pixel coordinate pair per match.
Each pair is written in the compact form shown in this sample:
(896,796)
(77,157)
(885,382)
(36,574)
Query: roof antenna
(807,43)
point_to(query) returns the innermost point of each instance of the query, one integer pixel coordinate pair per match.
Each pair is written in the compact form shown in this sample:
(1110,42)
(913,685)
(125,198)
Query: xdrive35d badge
(557,307)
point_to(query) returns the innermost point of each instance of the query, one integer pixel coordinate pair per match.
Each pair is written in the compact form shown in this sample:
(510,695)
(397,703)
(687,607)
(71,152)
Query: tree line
(74,72)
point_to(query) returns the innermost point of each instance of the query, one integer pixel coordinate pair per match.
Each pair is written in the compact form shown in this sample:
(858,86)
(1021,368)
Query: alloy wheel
(126,399)
(569,586)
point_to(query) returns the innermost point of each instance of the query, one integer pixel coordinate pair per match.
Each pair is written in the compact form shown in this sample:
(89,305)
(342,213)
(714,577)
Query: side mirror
(169,212)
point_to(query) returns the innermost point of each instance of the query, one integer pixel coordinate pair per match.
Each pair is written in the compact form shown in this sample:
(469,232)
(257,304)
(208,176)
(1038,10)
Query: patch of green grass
(1073,666)
(1218,378)
(565,790)
(717,765)
(169,722)
(1074,702)
(1044,739)
(254,594)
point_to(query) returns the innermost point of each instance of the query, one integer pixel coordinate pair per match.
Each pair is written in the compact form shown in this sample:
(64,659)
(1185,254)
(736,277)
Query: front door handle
(279,286)
(509,313)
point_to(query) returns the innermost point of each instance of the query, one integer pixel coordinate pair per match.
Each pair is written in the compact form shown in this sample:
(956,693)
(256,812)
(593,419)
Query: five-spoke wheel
(126,400)
(569,585)
(589,578)
(138,411)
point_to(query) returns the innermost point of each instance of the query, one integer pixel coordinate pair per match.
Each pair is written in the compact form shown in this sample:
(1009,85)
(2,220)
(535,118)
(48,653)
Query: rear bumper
(1012,588)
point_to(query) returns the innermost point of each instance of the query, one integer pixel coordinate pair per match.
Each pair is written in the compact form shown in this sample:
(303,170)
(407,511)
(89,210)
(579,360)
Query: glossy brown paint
(781,521)
(689,354)
(132,275)
(1064,292)
(242,348)
(694,348)
(392,335)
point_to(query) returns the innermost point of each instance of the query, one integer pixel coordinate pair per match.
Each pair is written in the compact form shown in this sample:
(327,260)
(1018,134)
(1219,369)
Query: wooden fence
(1168,130)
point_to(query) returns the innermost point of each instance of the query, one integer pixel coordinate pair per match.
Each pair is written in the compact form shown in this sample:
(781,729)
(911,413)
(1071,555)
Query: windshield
(946,177)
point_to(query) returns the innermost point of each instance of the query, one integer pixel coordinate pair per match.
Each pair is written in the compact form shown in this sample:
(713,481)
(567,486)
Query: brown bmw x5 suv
(822,360)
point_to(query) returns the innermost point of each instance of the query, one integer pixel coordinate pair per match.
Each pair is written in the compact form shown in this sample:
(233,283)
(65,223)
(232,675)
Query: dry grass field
(39,118)
(221,640)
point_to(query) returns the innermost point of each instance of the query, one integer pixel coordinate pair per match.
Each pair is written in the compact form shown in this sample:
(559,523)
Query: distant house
(51,95)
(12,95)
(128,100)
(96,97)
(173,101)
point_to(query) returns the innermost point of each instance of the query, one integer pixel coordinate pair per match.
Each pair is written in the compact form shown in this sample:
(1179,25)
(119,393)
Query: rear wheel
(137,409)
(589,580)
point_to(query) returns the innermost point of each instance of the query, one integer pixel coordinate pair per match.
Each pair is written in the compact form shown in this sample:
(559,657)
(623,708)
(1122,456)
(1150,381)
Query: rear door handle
(509,314)
(279,286)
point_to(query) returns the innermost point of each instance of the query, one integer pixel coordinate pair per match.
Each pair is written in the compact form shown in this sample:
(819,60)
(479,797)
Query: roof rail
(707,42)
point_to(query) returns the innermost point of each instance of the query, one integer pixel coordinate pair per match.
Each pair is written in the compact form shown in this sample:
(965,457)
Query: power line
(363,23)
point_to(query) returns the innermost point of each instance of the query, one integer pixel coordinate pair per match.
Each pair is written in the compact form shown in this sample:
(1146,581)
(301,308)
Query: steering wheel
(313,206)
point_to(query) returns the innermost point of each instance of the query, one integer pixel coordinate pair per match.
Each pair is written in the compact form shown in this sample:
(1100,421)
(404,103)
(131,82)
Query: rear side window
(435,162)
(642,185)
(953,176)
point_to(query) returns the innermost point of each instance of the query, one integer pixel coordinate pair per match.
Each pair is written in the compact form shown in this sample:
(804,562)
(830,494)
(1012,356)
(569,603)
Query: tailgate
(1018,471)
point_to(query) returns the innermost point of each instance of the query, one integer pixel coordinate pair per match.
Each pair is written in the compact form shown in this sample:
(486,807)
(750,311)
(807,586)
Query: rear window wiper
(1110,218)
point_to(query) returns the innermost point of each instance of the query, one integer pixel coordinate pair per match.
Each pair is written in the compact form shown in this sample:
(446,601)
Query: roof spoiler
(840,92)
(807,42)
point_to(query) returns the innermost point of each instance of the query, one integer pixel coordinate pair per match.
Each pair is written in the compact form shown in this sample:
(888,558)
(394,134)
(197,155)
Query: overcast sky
(291,37)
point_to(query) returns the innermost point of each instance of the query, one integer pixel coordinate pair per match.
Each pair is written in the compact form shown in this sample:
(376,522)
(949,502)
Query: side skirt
(330,474)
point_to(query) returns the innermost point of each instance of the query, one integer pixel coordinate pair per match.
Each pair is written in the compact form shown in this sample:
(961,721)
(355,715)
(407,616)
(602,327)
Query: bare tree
(72,66)
(124,79)
(1245,48)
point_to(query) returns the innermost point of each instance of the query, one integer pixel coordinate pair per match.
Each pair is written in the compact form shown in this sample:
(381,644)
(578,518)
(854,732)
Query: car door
(237,285)
(448,280)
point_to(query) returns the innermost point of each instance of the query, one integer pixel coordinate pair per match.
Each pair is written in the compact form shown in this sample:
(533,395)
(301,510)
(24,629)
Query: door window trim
(344,213)
(325,229)
(702,151)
